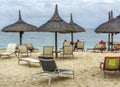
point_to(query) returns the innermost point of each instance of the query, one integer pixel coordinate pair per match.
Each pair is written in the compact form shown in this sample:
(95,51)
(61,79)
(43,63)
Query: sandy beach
(85,65)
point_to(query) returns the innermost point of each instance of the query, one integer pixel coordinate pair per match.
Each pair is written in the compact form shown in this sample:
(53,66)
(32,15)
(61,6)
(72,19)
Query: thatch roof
(55,24)
(76,27)
(19,26)
(111,26)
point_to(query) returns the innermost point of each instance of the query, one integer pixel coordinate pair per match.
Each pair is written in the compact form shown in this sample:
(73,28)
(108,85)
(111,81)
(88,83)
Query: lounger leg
(16,54)
(72,55)
(101,65)
(8,55)
(40,74)
(29,63)
(18,61)
(49,80)
(73,75)
(31,79)
(104,74)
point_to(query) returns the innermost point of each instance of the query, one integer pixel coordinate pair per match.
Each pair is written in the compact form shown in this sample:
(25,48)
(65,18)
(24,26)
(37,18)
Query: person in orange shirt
(102,42)
(104,45)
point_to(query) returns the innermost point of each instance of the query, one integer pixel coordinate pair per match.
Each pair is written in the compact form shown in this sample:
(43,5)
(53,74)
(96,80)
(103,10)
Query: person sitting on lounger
(104,45)
(31,48)
(102,42)
(75,47)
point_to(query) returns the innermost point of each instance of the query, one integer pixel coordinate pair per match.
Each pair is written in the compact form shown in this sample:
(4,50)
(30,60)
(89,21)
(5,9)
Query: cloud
(87,13)
(97,1)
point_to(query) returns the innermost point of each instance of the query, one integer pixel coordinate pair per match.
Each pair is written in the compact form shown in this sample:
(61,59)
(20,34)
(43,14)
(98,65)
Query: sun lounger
(50,69)
(80,46)
(116,47)
(47,51)
(110,64)
(66,43)
(98,47)
(31,48)
(23,50)
(28,60)
(67,52)
(11,48)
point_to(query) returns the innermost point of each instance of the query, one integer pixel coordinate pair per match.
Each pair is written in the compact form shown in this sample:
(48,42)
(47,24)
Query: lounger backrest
(67,43)
(29,46)
(111,63)
(99,46)
(23,48)
(48,65)
(48,50)
(67,50)
(11,47)
(80,44)
(117,46)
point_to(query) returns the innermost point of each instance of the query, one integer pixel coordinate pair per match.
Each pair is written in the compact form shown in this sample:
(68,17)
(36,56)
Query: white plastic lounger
(28,60)
(11,47)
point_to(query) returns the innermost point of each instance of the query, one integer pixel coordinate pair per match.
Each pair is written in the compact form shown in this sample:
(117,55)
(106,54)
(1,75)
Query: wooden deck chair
(110,64)
(23,50)
(80,46)
(98,47)
(67,52)
(47,51)
(11,48)
(50,69)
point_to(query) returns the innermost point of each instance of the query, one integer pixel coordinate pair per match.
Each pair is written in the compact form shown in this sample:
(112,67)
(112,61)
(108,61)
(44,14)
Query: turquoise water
(40,39)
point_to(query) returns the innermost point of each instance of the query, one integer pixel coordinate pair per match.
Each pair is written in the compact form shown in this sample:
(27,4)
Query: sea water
(40,39)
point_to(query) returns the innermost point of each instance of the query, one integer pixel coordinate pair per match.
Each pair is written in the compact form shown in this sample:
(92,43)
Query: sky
(86,13)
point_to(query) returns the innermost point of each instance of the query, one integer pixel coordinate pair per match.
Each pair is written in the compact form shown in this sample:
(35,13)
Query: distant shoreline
(2,48)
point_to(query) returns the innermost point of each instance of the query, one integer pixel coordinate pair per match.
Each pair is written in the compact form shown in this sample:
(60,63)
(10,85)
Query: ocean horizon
(40,39)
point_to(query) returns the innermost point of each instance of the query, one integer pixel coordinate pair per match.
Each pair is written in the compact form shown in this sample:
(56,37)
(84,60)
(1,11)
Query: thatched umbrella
(55,24)
(20,26)
(111,27)
(102,30)
(76,28)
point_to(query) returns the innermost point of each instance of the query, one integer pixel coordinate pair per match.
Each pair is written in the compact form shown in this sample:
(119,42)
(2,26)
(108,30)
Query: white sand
(85,65)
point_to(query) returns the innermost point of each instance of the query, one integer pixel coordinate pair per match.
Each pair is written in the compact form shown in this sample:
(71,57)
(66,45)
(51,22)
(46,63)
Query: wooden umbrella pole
(21,37)
(108,41)
(72,38)
(111,41)
(56,55)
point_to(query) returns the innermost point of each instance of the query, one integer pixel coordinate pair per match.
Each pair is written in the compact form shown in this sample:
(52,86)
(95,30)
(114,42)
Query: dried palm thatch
(20,26)
(112,26)
(76,28)
(55,24)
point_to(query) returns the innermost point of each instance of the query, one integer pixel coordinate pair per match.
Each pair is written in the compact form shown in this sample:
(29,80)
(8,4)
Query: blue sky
(86,13)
